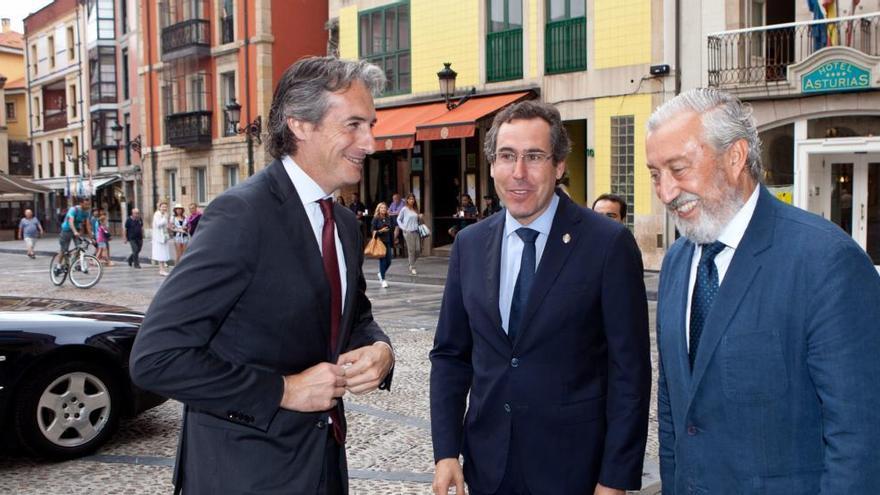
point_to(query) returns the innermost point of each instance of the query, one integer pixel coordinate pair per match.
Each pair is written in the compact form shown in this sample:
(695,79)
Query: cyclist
(75,224)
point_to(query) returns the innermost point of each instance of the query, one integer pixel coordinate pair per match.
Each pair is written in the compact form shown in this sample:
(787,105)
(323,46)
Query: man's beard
(714,215)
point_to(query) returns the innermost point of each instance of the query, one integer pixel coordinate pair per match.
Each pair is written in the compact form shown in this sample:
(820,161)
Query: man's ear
(737,156)
(301,129)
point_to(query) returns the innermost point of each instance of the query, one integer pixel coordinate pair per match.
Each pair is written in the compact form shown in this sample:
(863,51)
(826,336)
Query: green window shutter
(565,45)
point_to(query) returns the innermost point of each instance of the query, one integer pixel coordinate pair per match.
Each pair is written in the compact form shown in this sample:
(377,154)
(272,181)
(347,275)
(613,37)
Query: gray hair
(527,110)
(302,92)
(725,120)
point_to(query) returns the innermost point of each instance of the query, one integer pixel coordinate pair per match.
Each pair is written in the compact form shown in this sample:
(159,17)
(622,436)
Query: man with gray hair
(766,321)
(265,324)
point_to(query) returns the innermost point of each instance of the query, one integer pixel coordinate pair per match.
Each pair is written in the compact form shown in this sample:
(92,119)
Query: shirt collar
(735,230)
(308,190)
(542,224)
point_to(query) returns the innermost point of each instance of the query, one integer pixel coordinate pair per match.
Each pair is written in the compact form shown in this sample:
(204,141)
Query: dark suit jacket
(249,303)
(573,390)
(785,389)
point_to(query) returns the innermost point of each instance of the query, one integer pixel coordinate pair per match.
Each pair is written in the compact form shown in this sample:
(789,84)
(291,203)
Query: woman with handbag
(161,236)
(180,230)
(408,219)
(381,229)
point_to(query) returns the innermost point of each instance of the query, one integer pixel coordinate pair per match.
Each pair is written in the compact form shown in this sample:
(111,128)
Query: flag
(830,7)
(817,31)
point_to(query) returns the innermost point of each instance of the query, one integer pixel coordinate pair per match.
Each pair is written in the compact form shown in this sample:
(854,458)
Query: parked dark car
(64,379)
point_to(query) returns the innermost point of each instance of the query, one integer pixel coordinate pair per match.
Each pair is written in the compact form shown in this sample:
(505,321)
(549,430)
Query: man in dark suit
(767,322)
(264,325)
(544,328)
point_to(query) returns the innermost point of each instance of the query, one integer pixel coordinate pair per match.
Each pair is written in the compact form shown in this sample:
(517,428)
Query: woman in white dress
(161,237)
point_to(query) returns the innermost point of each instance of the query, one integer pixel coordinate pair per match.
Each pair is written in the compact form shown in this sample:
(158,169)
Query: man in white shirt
(265,324)
(766,321)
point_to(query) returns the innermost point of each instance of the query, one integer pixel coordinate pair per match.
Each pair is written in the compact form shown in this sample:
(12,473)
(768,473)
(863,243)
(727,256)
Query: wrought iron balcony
(760,56)
(565,46)
(504,54)
(189,38)
(189,129)
(52,121)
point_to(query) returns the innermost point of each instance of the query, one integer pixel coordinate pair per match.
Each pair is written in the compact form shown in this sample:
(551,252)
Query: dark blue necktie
(523,280)
(705,289)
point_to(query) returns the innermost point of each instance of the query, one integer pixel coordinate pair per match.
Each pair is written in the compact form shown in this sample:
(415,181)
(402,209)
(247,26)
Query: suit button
(320,424)
(514,362)
(506,407)
(692,430)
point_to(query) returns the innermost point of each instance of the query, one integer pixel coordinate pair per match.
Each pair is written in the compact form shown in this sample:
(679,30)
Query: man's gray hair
(725,120)
(302,92)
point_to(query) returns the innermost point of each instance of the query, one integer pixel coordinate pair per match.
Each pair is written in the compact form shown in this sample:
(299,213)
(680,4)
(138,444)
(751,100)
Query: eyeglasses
(510,158)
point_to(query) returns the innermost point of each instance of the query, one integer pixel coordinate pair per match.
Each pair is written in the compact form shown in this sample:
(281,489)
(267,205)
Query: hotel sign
(836,75)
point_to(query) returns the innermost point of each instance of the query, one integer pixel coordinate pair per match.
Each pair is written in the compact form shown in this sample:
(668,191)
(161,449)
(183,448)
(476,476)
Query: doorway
(446,187)
(853,181)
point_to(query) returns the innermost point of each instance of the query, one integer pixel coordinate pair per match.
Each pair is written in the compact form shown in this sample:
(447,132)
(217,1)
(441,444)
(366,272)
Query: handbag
(424,231)
(375,248)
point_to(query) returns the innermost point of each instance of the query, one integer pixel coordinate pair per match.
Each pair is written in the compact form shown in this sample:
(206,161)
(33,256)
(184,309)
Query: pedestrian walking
(134,236)
(408,219)
(180,231)
(381,228)
(30,230)
(102,237)
(161,237)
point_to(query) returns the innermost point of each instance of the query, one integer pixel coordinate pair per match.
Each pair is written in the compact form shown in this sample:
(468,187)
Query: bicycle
(84,272)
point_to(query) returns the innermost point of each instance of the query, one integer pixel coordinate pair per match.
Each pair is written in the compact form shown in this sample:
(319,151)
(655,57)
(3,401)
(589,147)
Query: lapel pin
(566,238)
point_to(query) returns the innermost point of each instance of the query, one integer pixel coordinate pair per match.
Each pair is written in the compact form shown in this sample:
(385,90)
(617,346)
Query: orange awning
(461,122)
(396,127)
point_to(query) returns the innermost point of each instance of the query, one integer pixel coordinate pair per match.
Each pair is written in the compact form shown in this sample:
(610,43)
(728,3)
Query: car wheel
(67,411)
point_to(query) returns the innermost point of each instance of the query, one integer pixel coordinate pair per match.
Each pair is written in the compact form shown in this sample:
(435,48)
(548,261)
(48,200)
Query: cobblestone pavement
(389,448)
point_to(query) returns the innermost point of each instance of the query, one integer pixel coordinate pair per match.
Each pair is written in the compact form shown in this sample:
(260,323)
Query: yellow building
(602,63)
(13,129)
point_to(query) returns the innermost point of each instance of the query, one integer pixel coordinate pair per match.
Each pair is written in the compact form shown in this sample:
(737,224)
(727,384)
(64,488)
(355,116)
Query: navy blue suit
(570,395)
(785,389)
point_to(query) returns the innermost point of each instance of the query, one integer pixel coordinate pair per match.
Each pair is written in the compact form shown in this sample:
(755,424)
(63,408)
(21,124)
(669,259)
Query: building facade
(199,56)
(812,77)
(592,59)
(13,130)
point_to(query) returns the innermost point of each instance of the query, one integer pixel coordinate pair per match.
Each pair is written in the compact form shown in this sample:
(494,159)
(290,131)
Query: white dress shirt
(731,236)
(511,254)
(310,192)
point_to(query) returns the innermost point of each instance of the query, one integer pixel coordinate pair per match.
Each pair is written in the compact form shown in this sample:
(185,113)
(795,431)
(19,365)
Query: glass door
(855,199)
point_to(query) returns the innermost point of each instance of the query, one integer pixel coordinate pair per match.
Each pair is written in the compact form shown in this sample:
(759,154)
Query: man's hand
(604,490)
(448,473)
(315,389)
(366,367)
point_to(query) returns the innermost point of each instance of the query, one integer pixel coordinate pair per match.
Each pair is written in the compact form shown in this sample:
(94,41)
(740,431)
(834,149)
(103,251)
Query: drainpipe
(149,42)
(247,85)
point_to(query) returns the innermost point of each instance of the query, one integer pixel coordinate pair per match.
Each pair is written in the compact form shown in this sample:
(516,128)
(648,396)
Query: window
(231,175)
(102,73)
(126,136)
(34,60)
(76,151)
(50,148)
(125,88)
(73,101)
(384,41)
(565,36)
(51,42)
(123,16)
(201,185)
(71,45)
(504,43)
(38,159)
(100,23)
(623,159)
(10,111)
(63,159)
(171,184)
(197,94)
(227,24)
(227,94)
(167,99)
(37,111)
(102,137)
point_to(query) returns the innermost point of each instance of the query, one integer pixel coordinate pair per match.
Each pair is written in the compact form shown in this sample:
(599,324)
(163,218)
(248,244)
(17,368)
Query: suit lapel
(351,252)
(744,267)
(293,220)
(678,326)
(555,254)
(493,262)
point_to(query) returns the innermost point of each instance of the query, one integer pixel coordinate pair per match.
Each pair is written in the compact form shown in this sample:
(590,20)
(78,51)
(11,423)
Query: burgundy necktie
(331,271)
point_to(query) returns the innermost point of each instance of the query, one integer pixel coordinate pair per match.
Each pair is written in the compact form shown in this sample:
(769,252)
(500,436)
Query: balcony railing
(504,54)
(187,38)
(565,47)
(188,129)
(758,56)
(52,121)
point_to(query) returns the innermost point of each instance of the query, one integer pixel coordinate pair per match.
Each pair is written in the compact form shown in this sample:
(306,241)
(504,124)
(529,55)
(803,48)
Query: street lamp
(251,131)
(77,158)
(134,144)
(447,86)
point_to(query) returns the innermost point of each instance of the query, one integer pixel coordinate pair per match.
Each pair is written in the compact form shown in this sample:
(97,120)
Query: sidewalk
(431,269)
